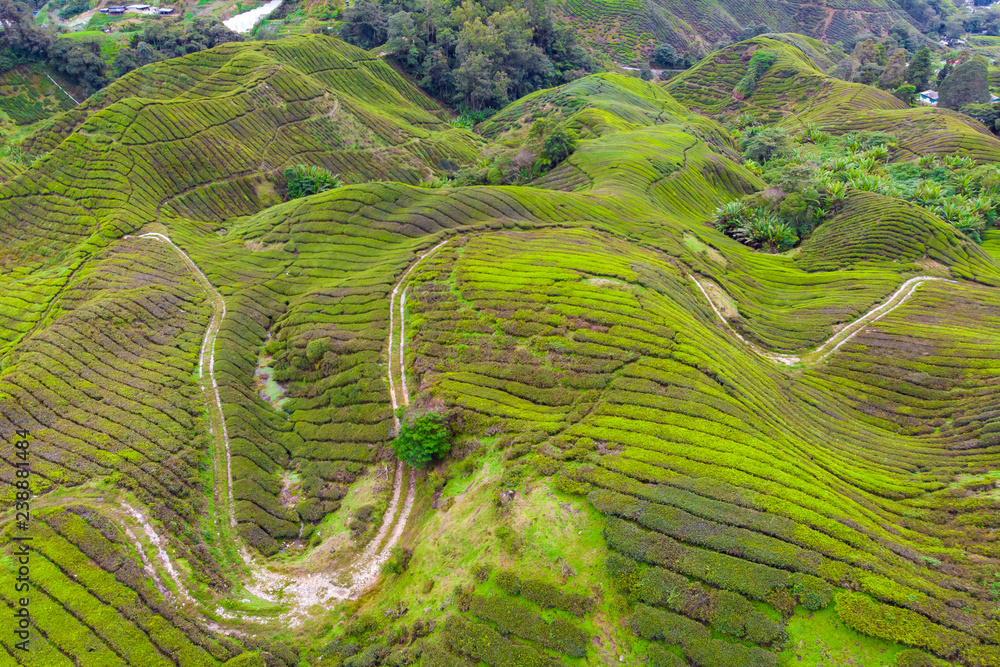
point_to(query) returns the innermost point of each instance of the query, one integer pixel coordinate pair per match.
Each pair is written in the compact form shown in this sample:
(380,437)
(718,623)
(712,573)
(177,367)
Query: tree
(558,146)
(907,92)
(79,63)
(920,70)
(966,84)
(665,56)
(365,25)
(645,73)
(954,29)
(19,36)
(769,143)
(751,31)
(866,52)
(845,69)
(869,74)
(422,440)
(401,34)
(944,72)
(894,73)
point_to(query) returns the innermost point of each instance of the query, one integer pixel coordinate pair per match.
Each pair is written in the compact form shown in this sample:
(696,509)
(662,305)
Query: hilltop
(629,31)
(668,446)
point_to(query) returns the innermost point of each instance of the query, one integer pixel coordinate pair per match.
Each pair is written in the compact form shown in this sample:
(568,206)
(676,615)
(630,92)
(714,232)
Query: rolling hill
(668,448)
(630,29)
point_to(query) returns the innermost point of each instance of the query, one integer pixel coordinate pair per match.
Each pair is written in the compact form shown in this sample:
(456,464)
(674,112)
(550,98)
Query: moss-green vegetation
(628,479)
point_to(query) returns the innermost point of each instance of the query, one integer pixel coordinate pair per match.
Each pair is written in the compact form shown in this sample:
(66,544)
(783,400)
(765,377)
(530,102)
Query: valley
(311,367)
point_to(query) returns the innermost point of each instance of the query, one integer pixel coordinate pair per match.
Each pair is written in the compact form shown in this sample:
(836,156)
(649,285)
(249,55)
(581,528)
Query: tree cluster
(475,56)
(165,38)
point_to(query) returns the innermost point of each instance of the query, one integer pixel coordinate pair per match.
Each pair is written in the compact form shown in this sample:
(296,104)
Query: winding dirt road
(833,343)
(305,586)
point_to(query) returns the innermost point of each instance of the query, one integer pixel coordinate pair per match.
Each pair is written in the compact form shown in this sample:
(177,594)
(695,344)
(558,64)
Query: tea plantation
(667,447)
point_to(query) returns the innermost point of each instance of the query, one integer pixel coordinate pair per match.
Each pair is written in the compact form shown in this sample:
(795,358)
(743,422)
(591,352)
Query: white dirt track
(897,299)
(306,586)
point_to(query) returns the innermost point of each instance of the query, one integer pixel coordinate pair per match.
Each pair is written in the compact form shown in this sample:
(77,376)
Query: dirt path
(216,415)
(833,343)
(62,89)
(305,586)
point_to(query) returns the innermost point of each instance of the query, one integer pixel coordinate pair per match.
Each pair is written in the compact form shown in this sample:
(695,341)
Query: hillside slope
(627,31)
(794,92)
(211,383)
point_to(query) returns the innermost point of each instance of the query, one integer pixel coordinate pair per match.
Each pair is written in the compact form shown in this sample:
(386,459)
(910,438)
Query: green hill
(629,31)
(667,448)
(794,92)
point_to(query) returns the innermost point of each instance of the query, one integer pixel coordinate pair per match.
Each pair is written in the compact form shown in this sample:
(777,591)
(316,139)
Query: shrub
(760,62)
(481,572)
(558,146)
(698,644)
(757,227)
(864,615)
(302,181)
(515,618)
(399,560)
(508,582)
(767,144)
(661,657)
(423,440)
(546,595)
(316,349)
(486,644)
(914,658)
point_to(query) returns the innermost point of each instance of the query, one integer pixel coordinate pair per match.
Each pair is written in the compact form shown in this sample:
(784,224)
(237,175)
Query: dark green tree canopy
(558,146)
(422,440)
(967,84)
(920,69)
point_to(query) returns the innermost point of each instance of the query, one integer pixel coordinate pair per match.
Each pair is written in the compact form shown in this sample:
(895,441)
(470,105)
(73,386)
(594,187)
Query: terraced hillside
(668,448)
(630,29)
(795,92)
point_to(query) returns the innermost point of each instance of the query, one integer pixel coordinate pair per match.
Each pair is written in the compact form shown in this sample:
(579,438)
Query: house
(138,8)
(994,99)
(116,10)
(929,97)
(165,10)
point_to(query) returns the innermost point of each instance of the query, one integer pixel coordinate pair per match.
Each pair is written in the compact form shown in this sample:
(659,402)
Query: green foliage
(304,180)
(766,144)
(81,63)
(967,84)
(755,227)
(508,582)
(71,8)
(513,617)
(399,560)
(864,615)
(987,114)
(558,146)
(906,92)
(920,70)
(482,643)
(422,440)
(760,62)
(316,349)
(476,56)
(699,646)
(666,56)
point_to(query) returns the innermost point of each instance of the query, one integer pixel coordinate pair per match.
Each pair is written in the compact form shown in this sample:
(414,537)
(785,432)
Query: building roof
(931,94)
